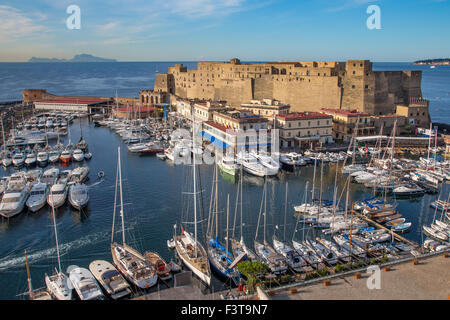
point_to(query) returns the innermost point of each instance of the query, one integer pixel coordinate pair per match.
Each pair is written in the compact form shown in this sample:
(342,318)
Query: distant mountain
(434,61)
(78,58)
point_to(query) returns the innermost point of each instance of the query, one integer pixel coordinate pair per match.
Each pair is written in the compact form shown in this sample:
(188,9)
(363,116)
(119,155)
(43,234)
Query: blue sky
(252,30)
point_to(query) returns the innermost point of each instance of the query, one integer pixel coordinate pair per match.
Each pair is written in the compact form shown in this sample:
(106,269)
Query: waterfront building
(231,130)
(304,129)
(79,104)
(345,123)
(416,113)
(268,108)
(134,112)
(386,122)
(152,97)
(304,85)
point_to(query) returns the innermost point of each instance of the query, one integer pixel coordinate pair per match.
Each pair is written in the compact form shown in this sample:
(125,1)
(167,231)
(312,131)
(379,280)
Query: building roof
(137,109)
(83,101)
(347,113)
(303,116)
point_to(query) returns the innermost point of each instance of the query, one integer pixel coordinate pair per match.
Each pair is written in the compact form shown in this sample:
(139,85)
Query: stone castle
(306,86)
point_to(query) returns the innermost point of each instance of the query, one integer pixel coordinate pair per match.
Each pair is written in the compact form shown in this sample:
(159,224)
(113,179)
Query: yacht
(129,261)
(408,190)
(18,159)
(228,165)
(42,158)
(38,196)
(50,176)
(272,166)
(13,201)
(291,160)
(66,156)
(79,174)
(275,261)
(78,155)
(58,194)
(78,195)
(85,284)
(7,161)
(294,260)
(251,165)
(110,279)
(53,156)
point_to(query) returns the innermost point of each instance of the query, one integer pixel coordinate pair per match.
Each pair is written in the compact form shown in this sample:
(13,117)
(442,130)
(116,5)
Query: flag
(182,230)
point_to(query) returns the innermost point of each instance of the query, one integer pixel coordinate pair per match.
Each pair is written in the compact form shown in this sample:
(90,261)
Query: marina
(386,226)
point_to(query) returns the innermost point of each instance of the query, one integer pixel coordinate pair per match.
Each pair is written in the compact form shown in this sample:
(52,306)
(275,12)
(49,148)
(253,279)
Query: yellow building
(346,122)
(301,129)
(416,113)
(268,108)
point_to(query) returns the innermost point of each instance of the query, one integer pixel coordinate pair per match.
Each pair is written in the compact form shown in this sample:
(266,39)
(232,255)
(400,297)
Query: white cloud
(16,25)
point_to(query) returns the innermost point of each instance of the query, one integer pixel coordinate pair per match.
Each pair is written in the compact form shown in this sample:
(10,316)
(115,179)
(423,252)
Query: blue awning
(221,144)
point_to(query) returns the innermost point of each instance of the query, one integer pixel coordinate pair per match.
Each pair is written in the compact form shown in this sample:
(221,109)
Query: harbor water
(157,195)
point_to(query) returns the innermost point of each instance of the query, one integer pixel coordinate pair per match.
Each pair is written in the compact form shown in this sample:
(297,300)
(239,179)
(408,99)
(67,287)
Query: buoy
(239,287)
(327,283)
(357,275)
(387,269)
(415,262)
(292,291)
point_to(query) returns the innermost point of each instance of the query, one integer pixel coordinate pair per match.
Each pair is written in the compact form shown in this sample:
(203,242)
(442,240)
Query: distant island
(434,62)
(78,58)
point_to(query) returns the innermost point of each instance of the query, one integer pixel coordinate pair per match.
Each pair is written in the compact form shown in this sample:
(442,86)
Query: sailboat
(276,262)
(240,250)
(58,282)
(219,257)
(35,295)
(293,259)
(133,265)
(187,246)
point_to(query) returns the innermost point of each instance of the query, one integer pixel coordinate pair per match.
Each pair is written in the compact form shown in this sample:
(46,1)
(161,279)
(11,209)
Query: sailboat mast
(265,209)
(56,233)
(242,195)
(429,145)
(115,204)
(314,179)
(121,198)
(228,214)
(30,287)
(216,202)
(3,135)
(195,186)
(285,213)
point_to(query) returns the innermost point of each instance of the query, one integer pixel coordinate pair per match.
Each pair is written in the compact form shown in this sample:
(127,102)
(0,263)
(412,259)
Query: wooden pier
(395,235)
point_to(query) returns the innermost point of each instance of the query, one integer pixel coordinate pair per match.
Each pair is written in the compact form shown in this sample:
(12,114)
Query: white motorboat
(18,159)
(42,158)
(58,194)
(272,166)
(251,165)
(38,196)
(85,284)
(78,155)
(353,168)
(110,279)
(408,190)
(78,195)
(79,174)
(7,161)
(292,160)
(31,159)
(13,201)
(50,176)
(53,156)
